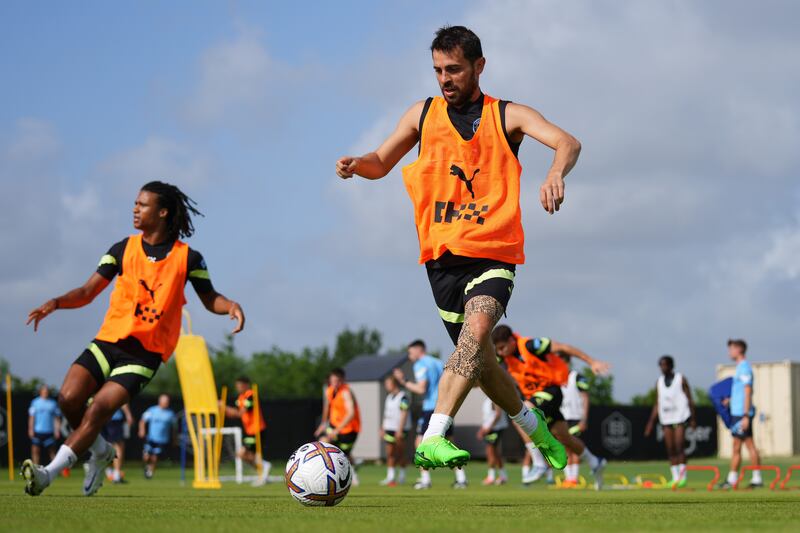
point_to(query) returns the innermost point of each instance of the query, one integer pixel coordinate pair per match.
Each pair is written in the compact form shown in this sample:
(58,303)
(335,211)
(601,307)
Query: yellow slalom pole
(9,421)
(257,415)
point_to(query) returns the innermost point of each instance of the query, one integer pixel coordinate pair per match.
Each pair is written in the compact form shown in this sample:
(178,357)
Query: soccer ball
(318,474)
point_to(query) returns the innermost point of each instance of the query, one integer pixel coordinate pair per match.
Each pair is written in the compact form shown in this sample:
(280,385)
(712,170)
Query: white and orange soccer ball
(318,474)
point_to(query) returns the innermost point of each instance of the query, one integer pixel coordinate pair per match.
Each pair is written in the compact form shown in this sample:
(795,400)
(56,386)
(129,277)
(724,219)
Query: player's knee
(69,403)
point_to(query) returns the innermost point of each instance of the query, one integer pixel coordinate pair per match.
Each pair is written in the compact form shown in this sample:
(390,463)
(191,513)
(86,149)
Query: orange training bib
(147,299)
(338,410)
(466,193)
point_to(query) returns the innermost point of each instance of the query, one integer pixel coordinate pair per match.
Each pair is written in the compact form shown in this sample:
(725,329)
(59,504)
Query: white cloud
(33,140)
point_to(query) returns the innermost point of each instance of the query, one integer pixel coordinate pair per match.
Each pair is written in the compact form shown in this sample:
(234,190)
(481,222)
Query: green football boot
(552,450)
(437,452)
(680,484)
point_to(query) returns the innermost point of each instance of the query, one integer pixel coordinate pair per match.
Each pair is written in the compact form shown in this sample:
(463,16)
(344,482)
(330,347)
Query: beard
(460,95)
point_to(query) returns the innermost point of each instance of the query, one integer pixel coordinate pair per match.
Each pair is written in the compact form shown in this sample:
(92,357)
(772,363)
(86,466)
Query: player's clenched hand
(237,314)
(551,193)
(346,167)
(38,314)
(600,368)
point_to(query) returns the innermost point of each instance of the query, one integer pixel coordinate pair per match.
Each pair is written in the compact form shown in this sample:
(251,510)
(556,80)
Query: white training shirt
(572,402)
(394,406)
(673,405)
(488,416)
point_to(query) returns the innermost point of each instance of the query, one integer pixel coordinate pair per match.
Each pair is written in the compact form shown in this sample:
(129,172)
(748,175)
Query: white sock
(538,458)
(65,458)
(491,475)
(526,420)
(572,472)
(402,475)
(756,476)
(674,469)
(390,473)
(438,425)
(682,471)
(526,470)
(590,458)
(503,474)
(461,476)
(733,477)
(549,474)
(99,447)
(425,476)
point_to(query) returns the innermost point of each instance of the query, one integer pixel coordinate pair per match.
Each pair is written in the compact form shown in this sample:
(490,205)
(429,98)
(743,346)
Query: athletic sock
(525,471)
(526,420)
(390,473)
(675,470)
(425,476)
(401,477)
(503,474)
(461,476)
(438,425)
(756,477)
(572,472)
(65,458)
(99,447)
(549,475)
(590,458)
(538,459)
(733,477)
(491,474)
(681,471)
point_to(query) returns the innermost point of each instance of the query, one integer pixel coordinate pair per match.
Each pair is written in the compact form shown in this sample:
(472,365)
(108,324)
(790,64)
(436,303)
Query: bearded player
(140,330)
(465,187)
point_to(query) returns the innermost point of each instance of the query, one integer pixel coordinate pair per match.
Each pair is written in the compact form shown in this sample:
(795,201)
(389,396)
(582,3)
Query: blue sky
(681,222)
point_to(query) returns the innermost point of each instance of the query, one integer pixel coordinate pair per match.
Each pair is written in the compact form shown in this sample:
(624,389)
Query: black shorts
(123,362)
(114,431)
(574,427)
(736,430)
(493,437)
(156,448)
(249,442)
(425,419)
(389,436)
(345,441)
(43,440)
(549,401)
(454,280)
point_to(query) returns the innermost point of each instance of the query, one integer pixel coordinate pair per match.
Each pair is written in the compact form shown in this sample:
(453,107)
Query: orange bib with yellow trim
(147,299)
(250,423)
(542,373)
(338,410)
(466,193)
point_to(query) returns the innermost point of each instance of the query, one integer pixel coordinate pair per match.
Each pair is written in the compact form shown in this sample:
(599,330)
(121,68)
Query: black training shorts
(549,401)
(457,279)
(121,363)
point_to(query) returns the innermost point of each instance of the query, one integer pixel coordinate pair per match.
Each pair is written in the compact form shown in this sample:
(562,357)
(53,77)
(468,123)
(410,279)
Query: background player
(674,407)
(396,425)
(494,424)
(140,330)
(341,419)
(465,187)
(157,425)
(742,413)
(44,424)
(575,410)
(251,426)
(539,374)
(428,372)
(115,433)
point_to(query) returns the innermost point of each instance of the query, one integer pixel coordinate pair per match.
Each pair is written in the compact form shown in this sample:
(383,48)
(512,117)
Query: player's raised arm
(377,164)
(523,120)
(600,368)
(83,295)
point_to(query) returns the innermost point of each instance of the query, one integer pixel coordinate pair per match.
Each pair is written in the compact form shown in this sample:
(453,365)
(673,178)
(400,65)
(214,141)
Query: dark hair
(501,333)
(243,379)
(667,359)
(739,343)
(180,208)
(338,372)
(419,343)
(393,379)
(449,38)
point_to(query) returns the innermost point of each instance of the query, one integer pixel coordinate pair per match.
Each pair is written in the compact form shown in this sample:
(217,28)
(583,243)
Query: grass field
(163,504)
